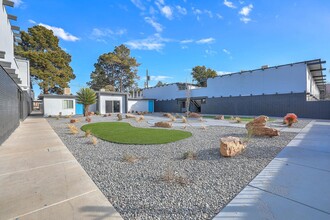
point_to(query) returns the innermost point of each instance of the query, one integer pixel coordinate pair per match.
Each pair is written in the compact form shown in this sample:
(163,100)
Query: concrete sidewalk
(295,185)
(40,178)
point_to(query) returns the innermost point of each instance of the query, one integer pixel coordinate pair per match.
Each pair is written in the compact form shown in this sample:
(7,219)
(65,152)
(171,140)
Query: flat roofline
(56,96)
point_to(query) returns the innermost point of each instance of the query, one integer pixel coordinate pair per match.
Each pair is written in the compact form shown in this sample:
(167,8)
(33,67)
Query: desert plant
(168,175)
(119,116)
(94,140)
(238,119)
(248,135)
(290,118)
(87,97)
(163,124)
(97,113)
(184,127)
(200,119)
(73,129)
(88,133)
(184,119)
(177,115)
(129,158)
(189,155)
(182,180)
(194,115)
(139,119)
(88,119)
(172,118)
(203,127)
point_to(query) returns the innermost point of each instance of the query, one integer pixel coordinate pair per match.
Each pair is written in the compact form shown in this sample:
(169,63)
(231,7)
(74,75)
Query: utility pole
(148,78)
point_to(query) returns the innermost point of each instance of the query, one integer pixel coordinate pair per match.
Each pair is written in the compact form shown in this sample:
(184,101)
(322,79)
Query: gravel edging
(137,190)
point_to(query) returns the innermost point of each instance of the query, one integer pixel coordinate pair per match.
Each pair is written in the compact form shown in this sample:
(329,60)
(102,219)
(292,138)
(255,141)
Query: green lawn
(124,133)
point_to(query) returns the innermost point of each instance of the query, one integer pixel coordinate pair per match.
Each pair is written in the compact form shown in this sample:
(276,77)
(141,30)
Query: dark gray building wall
(271,105)
(9,106)
(14,105)
(167,106)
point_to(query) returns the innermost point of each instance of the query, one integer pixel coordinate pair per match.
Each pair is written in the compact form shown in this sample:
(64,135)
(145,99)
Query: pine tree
(49,64)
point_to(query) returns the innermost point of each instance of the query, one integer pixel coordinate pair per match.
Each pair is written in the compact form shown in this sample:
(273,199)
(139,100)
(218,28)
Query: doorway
(112,106)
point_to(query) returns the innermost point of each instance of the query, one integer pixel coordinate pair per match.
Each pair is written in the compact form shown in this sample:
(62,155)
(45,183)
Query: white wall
(6,37)
(104,98)
(53,106)
(281,80)
(138,105)
(311,85)
(24,73)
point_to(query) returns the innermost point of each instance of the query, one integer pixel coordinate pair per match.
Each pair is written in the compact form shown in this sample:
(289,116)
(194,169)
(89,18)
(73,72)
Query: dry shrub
(172,118)
(167,115)
(74,120)
(219,117)
(238,119)
(163,124)
(200,119)
(194,115)
(177,115)
(184,127)
(290,118)
(73,129)
(189,155)
(184,119)
(130,116)
(168,176)
(94,140)
(139,119)
(232,118)
(203,127)
(119,116)
(182,180)
(88,133)
(129,158)
(88,119)
(109,114)
(105,115)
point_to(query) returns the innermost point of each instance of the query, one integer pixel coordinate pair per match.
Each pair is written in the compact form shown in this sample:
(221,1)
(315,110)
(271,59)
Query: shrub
(184,119)
(200,119)
(74,120)
(119,116)
(88,133)
(290,118)
(189,155)
(167,115)
(139,119)
(129,158)
(172,118)
(177,115)
(168,175)
(73,129)
(97,113)
(130,115)
(94,140)
(238,119)
(88,119)
(219,117)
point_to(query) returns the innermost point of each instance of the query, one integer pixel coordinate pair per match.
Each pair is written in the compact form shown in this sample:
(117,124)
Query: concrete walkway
(40,178)
(295,185)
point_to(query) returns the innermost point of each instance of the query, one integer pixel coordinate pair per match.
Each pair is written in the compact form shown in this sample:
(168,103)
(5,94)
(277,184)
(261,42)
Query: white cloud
(160,78)
(106,32)
(229,4)
(158,27)
(155,42)
(186,41)
(245,19)
(17,3)
(206,40)
(219,16)
(210,52)
(221,73)
(32,21)
(164,9)
(245,11)
(209,13)
(181,10)
(138,4)
(59,32)
(197,11)
(167,12)
(226,51)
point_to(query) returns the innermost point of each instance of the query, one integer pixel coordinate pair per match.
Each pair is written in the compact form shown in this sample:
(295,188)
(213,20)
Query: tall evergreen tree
(115,68)
(201,74)
(49,64)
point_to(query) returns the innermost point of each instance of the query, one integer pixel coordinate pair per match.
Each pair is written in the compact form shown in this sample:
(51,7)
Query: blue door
(79,109)
(151,106)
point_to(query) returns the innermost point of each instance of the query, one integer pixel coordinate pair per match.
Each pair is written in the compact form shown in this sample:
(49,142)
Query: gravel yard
(201,187)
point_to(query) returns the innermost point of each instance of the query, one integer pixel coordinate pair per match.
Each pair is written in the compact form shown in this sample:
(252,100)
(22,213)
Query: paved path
(40,179)
(295,185)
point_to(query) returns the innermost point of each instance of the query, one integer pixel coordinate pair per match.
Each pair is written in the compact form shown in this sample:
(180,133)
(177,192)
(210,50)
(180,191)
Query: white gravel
(137,190)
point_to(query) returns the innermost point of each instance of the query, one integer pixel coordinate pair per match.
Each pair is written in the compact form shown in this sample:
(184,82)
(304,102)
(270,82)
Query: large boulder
(258,127)
(231,146)
(163,124)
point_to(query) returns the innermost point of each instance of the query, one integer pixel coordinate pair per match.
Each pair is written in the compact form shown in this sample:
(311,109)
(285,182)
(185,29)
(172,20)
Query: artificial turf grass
(124,133)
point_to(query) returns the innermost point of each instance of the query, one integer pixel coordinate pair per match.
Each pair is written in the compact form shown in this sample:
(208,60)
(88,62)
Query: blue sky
(170,37)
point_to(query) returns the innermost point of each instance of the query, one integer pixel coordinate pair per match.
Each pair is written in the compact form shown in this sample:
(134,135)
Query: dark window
(112,106)
(184,104)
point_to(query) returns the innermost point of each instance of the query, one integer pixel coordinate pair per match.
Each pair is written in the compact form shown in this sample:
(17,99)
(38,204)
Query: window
(67,104)
(184,104)
(112,106)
